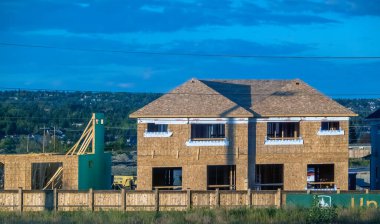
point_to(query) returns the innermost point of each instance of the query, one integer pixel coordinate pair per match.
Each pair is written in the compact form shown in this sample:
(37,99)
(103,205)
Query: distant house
(240,134)
(374,120)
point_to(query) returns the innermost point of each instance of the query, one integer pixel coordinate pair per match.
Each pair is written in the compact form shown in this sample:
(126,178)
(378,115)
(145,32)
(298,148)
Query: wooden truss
(79,148)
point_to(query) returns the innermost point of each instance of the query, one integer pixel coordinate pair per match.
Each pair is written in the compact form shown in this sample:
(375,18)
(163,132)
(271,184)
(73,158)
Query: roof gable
(296,98)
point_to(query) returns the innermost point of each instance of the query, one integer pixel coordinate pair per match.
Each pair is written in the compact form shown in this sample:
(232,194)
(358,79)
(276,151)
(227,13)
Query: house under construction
(79,169)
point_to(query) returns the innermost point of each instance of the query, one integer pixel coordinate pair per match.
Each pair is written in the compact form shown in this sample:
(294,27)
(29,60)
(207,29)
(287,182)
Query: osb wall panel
(295,176)
(317,149)
(193,176)
(169,201)
(18,169)
(172,152)
(9,201)
(341,179)
(140,200)
(144,177)
(107,200)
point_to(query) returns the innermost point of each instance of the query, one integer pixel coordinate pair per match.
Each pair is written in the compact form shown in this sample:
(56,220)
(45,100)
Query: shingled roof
(374,115)
(192,99)
(243,98)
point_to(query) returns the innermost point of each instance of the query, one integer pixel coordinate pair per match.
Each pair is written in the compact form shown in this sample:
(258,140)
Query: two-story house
(374,120)
(240,134)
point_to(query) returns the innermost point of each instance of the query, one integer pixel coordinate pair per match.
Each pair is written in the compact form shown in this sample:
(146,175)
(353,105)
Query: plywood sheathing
(257,98)
(317,149)
(194,168)
(18,169)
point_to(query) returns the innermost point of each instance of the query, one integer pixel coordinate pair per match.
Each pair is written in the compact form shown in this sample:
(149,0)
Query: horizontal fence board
(140,201)
(72,201)
(104,200)
(9,200)
(172,201)
(34,201)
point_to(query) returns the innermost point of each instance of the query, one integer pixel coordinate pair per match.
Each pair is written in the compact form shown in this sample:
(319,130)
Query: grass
(358,162)
(263,215)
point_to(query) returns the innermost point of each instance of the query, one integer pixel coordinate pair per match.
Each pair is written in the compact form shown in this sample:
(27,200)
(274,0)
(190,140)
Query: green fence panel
(339,200)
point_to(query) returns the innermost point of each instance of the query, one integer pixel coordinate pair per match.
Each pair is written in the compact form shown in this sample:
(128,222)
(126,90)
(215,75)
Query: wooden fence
(163,200)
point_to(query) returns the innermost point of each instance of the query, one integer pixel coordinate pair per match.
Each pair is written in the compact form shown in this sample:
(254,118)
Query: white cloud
(125,85)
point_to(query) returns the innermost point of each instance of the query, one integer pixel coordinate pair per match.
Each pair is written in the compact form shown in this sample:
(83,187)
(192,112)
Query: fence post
(278,198)
(217,198)
(123,200)
(188,199)
(21,199)
(55,200)
(249,198)
(156,200)
(91,199)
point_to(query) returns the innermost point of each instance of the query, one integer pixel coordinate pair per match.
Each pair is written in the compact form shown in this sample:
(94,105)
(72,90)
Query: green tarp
(340,200)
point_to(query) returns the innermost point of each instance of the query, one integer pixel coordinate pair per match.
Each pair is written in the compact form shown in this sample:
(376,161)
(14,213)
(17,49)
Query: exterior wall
(316,149)
(18,169)
(173,152)
(375,154)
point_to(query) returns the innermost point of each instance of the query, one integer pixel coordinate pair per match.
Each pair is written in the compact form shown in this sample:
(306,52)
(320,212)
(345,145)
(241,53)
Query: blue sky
(233,27)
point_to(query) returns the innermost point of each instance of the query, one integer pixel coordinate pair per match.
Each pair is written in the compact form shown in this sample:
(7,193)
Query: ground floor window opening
(2,176)
(269,176)
(320,176)
(221,177)
(167,178)
(46,175)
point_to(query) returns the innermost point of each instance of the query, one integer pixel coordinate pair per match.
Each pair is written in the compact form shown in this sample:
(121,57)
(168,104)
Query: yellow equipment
(126,182)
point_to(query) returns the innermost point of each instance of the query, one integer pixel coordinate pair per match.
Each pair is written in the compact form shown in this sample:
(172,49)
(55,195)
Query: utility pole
(27,143)
(43,141)
(54,138)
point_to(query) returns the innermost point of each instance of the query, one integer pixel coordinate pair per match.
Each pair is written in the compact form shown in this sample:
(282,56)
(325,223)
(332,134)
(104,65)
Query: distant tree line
(28,118)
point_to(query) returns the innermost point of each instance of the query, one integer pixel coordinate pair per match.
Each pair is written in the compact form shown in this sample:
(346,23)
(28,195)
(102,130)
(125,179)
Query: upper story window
(330,125)
(157,127)
(207,131)
(283,130)
(283,133)
(207,135)
(330,128)
(157,130)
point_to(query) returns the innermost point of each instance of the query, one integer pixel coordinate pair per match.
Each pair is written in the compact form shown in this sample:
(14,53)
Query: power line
(188,53)
(185,93)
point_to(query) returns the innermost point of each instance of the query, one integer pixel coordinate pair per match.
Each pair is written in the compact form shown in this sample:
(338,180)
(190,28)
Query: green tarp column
(94,170)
